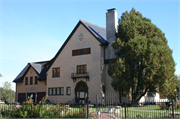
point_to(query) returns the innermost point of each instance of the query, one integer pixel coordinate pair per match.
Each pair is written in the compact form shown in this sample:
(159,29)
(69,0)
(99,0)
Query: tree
(7,93)
(0,75)
(143,60)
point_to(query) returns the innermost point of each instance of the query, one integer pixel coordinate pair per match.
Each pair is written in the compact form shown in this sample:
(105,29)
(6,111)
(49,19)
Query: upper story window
(26,81)
(36,82)
(31,80)
(81,51)
(55,72)
(81,69)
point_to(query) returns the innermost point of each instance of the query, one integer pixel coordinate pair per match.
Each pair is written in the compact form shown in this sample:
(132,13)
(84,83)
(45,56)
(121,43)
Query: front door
(81,93)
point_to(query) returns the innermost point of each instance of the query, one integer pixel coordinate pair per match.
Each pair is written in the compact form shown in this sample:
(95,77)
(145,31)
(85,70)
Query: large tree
(143,60)
(6,93)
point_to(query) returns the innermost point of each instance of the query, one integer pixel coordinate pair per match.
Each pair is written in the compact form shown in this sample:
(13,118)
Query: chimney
(111,28)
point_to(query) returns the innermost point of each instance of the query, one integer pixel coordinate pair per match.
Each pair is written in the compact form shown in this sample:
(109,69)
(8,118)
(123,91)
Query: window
(54,91)
(150,94)
(61,91)
(50,91)
(81,69)
(57,91)
(26,81)
(81,51)
(68,91)
(31,80)
(56,72)
(36,82)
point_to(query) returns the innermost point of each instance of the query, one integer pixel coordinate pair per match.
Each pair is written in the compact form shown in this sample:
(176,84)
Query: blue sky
(34,30)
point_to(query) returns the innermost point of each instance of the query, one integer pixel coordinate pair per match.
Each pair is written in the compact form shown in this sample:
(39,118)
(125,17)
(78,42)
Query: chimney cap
(113,9)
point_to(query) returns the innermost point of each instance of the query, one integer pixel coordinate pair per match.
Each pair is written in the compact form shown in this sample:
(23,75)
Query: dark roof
(39,67)
(97,31)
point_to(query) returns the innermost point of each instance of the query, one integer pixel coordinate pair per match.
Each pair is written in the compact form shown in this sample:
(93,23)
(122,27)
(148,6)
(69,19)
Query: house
(78,72)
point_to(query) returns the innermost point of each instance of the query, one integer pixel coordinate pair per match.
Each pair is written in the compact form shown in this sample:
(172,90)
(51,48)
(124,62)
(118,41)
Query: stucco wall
(22,88)
(109,88)
(68,64)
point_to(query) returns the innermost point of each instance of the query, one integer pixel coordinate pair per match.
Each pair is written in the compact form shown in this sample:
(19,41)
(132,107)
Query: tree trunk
(137,100)
(120,97)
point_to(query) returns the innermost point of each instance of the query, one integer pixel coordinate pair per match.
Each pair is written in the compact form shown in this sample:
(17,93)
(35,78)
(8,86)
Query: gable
(91,28)
(38,67)
(31,72)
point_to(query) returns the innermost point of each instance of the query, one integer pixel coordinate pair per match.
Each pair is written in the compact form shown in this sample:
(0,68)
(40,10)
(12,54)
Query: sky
(34,30)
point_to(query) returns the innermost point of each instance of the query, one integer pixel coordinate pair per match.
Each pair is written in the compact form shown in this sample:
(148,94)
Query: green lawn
(147,111)
(146,107)
(142,114)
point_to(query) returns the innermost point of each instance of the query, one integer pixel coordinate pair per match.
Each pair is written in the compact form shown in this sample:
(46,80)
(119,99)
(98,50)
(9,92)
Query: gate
(108,106)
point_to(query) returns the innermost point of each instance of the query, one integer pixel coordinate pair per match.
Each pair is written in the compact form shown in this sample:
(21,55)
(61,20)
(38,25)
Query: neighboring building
(78,72)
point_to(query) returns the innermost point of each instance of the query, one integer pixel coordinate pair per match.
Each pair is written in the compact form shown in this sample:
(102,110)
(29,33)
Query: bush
(163,106)
(28,110)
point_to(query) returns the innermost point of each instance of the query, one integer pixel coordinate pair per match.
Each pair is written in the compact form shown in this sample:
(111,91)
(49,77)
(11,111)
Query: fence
(105,107)
(43,110)
(110,107)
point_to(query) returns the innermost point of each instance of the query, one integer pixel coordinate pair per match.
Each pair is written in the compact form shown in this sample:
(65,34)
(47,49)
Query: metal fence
(107,107)
(43,110)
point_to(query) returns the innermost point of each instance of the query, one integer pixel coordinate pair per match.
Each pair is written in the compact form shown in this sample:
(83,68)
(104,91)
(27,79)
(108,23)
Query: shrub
(163,106)
(28,110)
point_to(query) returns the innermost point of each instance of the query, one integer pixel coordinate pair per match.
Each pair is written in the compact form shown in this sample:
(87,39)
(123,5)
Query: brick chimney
(111,28)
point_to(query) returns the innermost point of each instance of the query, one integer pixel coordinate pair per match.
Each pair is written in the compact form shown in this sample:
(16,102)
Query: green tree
(0,75)
(143,60)
(7,93)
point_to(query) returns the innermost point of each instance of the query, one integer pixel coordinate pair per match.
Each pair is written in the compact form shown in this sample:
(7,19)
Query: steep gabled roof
(97,31)
(39,67)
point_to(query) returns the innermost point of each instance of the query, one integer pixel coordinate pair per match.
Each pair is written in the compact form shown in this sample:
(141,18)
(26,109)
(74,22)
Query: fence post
(125,109)
(41,108)
(96,101)
(172,109)
(88,109)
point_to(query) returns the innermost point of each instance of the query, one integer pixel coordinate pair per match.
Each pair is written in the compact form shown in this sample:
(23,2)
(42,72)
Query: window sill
(55,95)
(56,77)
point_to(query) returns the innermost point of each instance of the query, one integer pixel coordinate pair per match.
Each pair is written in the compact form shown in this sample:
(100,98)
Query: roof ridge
(92,23)
(39,62)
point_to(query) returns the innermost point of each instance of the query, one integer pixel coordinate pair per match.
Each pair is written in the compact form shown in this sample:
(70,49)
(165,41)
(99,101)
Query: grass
(146,111)
(141,114)
(146,107)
